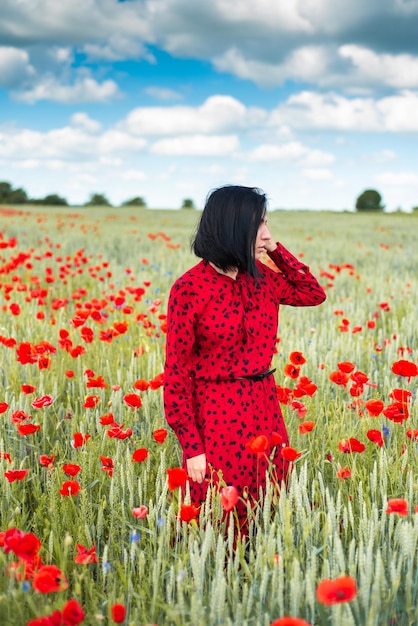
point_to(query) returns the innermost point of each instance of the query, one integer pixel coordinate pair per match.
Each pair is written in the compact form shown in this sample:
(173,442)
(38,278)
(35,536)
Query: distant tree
(5,191)
(18,196)
(137,201)
(98,199)
(415,209)
(8,195)
(188,204)
(369,200)
(54,200)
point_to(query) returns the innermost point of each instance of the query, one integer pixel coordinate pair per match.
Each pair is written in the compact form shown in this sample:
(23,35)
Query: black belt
(256,376)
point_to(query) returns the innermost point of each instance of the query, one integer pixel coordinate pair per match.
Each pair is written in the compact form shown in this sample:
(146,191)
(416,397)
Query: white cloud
(294,151)
(83,121)
(196,145)
(397,179)
(216,114)
(15,67)
(304,64)
(115,141)
(400,71)
(132,174)
(160,93)
(84,89)
(68,144)
(317,174)
(312,110)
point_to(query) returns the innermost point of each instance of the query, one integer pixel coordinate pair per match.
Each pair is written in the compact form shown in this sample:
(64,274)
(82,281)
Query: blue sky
(311,100)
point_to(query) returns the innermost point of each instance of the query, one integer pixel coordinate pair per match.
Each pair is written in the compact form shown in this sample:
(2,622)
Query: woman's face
(263,235)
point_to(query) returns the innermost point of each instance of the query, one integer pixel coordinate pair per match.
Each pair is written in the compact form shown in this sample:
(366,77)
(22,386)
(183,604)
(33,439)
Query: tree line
(368,200)
(10,195)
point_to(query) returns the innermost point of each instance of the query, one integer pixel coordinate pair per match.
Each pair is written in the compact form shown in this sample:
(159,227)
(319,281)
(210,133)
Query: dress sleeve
(179,405)
(294,284)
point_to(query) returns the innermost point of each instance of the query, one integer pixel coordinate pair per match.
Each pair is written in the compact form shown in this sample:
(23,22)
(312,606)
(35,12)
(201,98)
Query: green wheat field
(82,329)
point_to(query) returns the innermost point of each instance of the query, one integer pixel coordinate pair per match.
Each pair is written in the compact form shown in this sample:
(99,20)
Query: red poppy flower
(72,613)
(140,512)
(69,374)
(400,395)
(44,363)
(176,477)
(306,427)
(298,406)
(118,613)
(229,497)
(397,505)
(297,358)
(45,460)
(3,407)
(141,385)
(87,334)
(132,400)
(27,389)
(116,431)
(39,403)
(157,381)
(342,589)
(48,579)
(107,420)
(396,412)
(84,555)
(159,435)
(275,439)
(20,416)
(343,473)
(374,407)
(258,444)
(290,454)
(70,488)
(27,429)
(24,545)
(6,456)
(26,353)
(284,394)
(339,378)
(107,465)
(376,437)
(304,387)
(405,368)
(15,308)
(188,512)
(351,445)
(359,377)
(291,371)
(412,434)
(98,382)
(91,402)
(346,367)
(71,469)
(289,621)
(79,439)
(139,455)
(13,475)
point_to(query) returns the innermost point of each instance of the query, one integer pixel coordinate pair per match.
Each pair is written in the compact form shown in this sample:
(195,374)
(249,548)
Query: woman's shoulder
(191,279)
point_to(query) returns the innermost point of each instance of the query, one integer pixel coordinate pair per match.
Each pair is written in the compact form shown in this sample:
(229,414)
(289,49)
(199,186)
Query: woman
(219,390)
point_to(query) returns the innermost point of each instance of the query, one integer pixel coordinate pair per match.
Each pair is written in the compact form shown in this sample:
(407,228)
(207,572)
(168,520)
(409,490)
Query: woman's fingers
(196,468)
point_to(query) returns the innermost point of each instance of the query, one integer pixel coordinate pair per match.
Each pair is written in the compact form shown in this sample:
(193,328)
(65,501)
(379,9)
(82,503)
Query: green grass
(164,571)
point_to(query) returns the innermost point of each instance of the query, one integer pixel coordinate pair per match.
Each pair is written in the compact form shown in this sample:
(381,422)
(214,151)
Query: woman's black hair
(227,231)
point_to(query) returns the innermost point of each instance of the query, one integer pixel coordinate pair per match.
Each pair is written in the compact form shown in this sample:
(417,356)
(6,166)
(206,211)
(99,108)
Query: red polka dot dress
(220,330)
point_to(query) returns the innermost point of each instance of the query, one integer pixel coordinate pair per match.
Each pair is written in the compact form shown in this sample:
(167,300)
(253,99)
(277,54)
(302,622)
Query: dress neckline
(215,272)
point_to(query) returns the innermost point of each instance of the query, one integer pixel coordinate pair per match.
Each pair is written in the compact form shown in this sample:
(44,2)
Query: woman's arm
(178,383)
(294,284)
